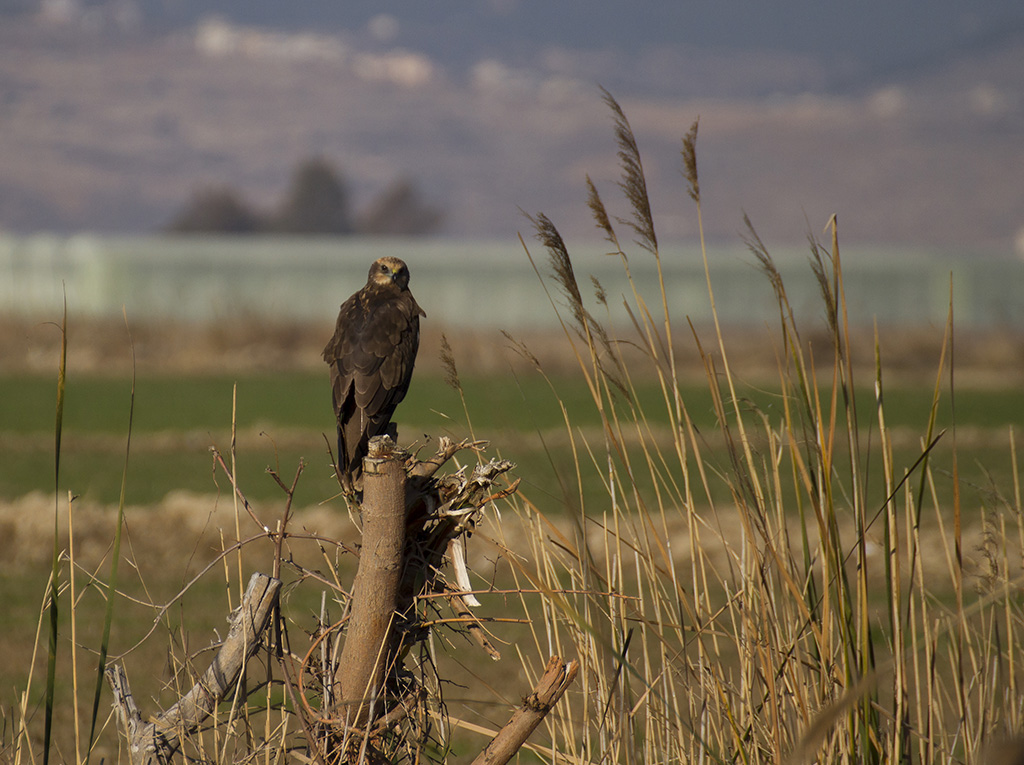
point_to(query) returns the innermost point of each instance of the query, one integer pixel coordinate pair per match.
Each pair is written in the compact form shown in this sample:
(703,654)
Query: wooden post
(366,655)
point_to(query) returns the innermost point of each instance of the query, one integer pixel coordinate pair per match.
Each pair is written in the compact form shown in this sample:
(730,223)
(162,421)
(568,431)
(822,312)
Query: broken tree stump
(557,678)
(366,654)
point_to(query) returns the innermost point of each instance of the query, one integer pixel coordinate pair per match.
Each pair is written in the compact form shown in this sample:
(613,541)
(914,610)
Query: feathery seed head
(633,182)
(690,161)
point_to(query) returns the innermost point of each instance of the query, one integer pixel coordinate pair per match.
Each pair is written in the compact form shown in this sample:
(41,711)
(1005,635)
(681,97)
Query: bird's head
(388,271)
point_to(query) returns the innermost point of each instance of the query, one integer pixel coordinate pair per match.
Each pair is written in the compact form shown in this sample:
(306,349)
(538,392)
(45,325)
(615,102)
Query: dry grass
(985,358)
(772,631)
(192,520)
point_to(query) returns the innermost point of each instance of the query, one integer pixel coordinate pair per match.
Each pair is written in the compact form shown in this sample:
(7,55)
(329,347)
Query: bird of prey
(371,357)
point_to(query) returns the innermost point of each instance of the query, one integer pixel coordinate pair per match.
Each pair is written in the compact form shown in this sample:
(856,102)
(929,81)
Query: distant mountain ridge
(115,112)
(868,39)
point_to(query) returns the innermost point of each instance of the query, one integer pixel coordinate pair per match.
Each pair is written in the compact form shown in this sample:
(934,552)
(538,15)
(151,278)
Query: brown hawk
(371,357)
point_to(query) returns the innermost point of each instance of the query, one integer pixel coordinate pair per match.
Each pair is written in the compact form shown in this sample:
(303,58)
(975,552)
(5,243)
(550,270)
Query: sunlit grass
(281,418)
(807,581)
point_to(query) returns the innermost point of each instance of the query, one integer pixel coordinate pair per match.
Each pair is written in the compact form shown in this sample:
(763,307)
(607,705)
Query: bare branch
(446,449)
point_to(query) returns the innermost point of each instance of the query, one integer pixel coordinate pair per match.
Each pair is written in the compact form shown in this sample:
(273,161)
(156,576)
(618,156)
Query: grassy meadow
(783,545)
(282,418)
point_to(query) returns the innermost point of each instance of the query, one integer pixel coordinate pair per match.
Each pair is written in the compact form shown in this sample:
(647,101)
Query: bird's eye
(383,268)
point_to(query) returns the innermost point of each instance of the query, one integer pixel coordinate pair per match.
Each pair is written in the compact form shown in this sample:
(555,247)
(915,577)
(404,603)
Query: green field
(282,418)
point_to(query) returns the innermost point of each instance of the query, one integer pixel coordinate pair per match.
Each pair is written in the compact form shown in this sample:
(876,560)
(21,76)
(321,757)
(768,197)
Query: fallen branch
(157,741)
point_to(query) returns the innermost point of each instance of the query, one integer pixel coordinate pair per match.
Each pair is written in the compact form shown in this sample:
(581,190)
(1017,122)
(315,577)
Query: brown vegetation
(988,358)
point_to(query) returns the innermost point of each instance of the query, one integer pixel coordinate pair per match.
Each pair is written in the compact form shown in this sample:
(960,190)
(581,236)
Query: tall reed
(761,593)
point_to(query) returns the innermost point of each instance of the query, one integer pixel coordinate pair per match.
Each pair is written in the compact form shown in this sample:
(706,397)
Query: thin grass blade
(58,429)
(115,560)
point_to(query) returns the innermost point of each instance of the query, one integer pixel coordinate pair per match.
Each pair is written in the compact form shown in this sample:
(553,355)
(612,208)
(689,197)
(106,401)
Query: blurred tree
(400,210)
(215,209)
(317,202)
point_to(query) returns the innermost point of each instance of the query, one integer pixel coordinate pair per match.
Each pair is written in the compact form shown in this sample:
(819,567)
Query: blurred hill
(114,113)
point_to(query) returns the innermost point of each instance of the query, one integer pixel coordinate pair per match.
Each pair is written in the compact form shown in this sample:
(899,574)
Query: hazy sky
(872,34)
